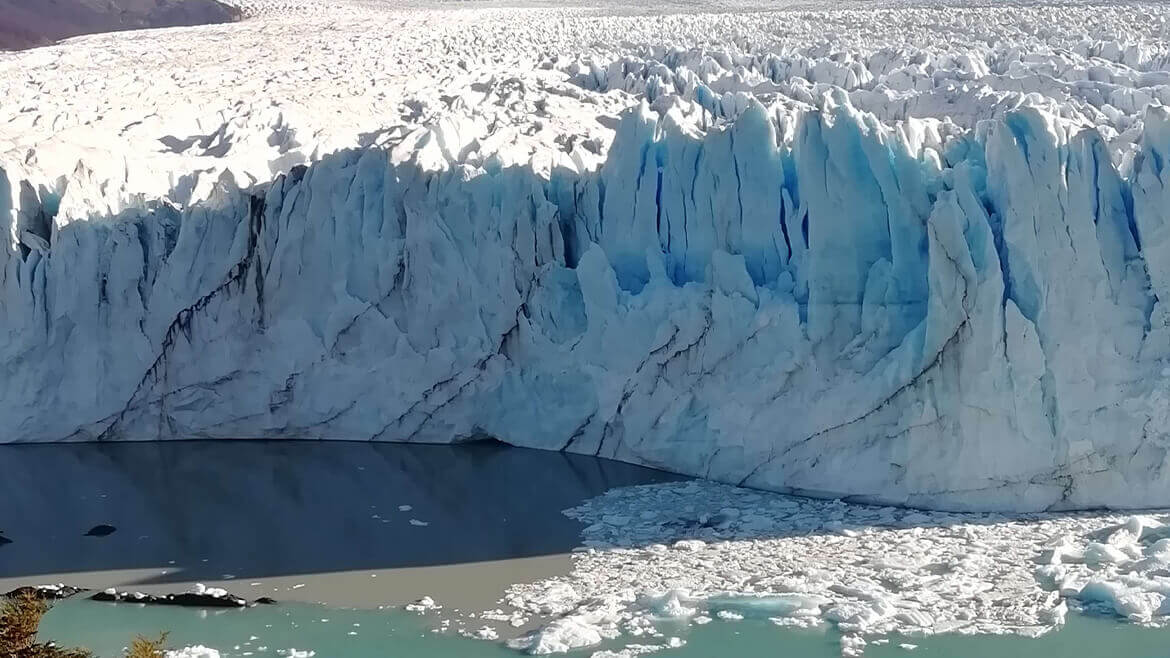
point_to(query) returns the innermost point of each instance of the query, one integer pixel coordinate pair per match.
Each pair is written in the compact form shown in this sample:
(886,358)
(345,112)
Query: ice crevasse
(808,301)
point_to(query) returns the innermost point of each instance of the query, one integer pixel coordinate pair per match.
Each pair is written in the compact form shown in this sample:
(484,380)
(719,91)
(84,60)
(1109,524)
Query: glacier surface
(855,268)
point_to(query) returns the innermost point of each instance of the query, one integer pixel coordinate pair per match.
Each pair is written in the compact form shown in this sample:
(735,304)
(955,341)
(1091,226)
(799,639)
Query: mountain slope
(31,23)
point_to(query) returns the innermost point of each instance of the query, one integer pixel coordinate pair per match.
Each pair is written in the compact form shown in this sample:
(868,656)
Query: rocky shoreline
(198,596)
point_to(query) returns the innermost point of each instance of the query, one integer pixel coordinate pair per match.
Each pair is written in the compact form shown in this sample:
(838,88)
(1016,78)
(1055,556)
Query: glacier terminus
(822,259)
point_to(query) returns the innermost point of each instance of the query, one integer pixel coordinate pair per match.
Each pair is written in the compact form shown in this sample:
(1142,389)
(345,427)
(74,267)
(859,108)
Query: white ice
(869,571)
(197,651)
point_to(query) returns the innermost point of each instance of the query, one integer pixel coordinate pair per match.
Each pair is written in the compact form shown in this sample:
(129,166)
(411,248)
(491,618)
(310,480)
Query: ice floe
(425,604)
(869,571)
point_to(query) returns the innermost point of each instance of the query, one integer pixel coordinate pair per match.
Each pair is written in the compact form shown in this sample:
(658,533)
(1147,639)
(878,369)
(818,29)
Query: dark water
(278,512)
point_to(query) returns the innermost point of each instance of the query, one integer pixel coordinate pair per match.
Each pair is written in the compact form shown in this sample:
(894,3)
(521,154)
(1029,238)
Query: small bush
(20,616)
(143,647)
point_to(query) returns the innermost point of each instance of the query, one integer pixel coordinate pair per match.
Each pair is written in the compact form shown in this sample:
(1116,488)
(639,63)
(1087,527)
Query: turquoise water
(345,633)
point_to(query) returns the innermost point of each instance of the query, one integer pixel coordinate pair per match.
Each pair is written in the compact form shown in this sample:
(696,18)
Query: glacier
(807,300)
(902,253)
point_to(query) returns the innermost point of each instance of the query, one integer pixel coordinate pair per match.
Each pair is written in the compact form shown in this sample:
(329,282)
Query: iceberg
(803,299)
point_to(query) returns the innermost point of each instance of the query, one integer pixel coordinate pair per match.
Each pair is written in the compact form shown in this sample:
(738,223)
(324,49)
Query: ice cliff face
(805,300)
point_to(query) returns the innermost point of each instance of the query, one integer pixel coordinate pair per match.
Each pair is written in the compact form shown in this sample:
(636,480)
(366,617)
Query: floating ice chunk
(673,605)
(554,598)
(559,636)
(197,651)
(629,651)
(915,618)
(895,562)
(1056,616)
(1097,553)
(1124,601)
(858,615)
(422,605)
(852,645)
(778,605)
(203,590)
(1138,526)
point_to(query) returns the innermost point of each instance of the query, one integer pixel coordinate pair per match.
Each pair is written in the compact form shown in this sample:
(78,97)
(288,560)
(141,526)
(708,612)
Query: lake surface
(346,523)
(341,633)
(341,534)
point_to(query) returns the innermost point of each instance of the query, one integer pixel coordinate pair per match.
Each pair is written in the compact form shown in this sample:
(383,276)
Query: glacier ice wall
(809,301)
